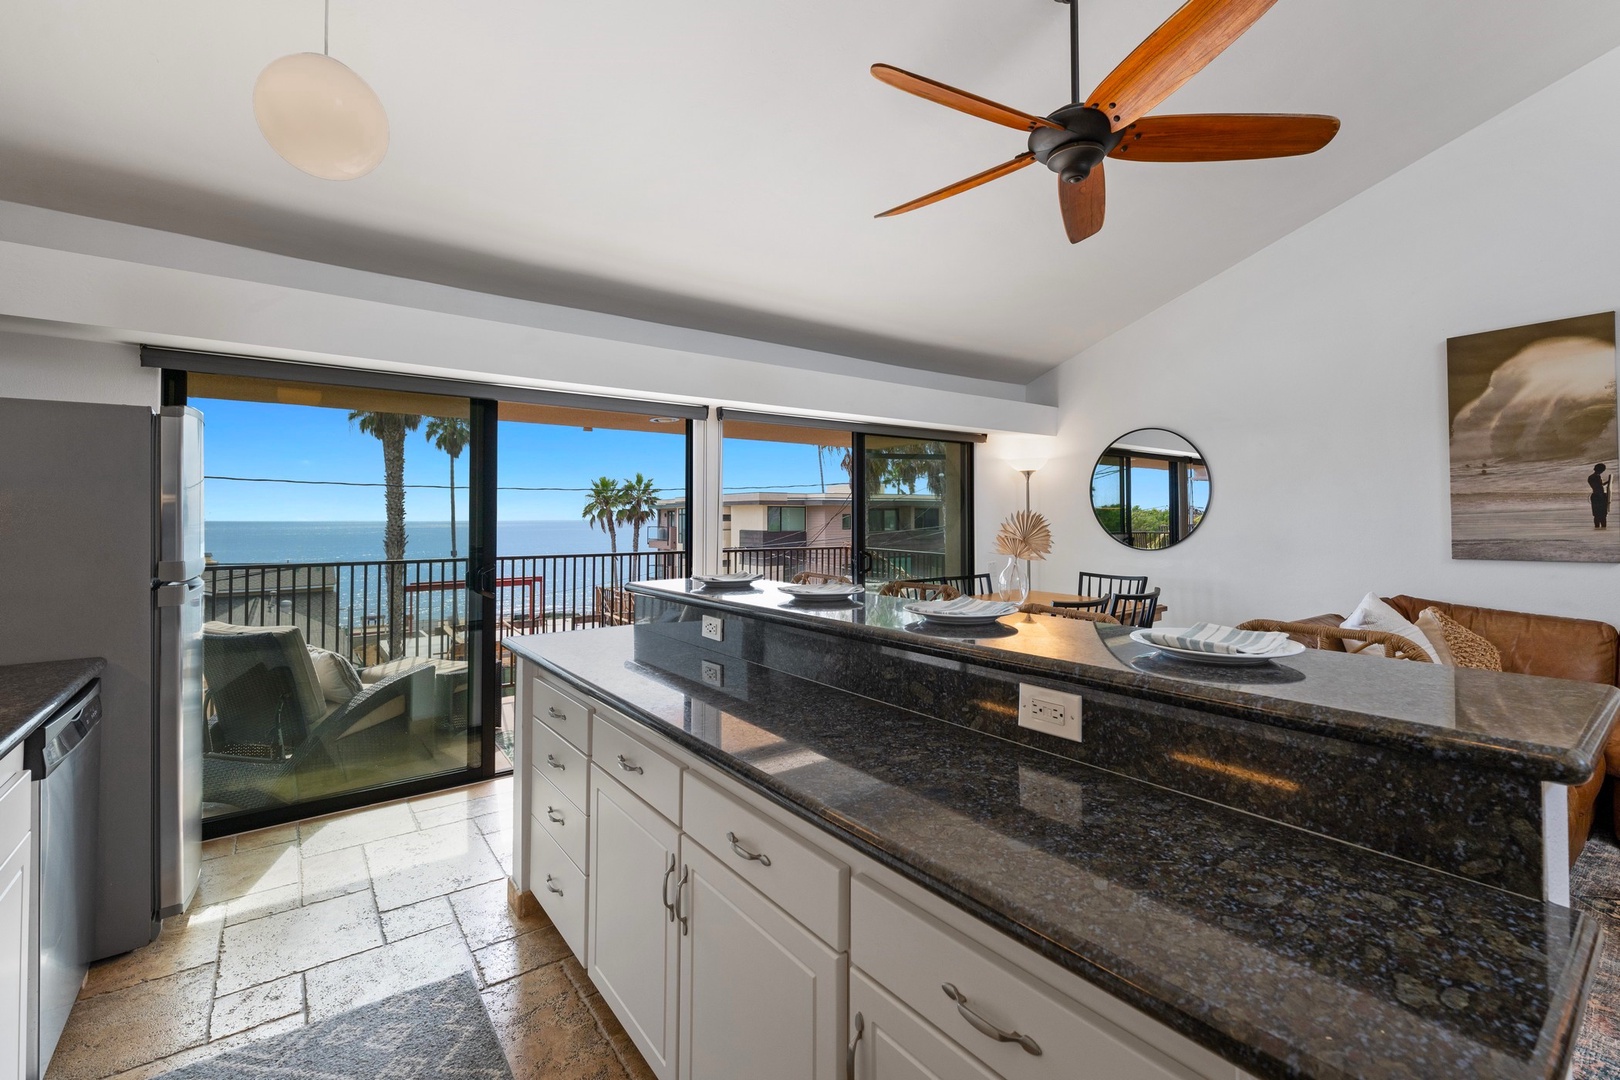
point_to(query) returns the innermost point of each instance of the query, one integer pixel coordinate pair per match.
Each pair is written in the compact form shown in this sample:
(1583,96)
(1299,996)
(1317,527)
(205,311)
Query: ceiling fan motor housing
(1072,153)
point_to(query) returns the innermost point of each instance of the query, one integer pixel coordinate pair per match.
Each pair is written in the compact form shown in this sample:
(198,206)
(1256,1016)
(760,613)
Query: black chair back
(1104,584)
(1135,609)
(966,584)
(1100,604)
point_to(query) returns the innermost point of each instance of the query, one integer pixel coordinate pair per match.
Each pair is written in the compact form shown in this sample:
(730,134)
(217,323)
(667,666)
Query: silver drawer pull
(663,893)
(551,711)
(854,1044)
(985,1027)
(552,888)
(555,764)
(554,815)
(743,853)
(680,904)
(628,767)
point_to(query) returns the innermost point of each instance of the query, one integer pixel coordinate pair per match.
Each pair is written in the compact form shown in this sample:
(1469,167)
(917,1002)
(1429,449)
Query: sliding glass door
(341,645)
(786,507)
(915,498)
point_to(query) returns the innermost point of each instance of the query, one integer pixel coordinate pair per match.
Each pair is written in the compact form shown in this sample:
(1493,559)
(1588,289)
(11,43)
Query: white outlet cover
(714,628)
(1052,711)
(713,673)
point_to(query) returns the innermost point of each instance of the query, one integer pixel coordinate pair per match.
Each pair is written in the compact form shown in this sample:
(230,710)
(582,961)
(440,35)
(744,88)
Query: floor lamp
(1027,466)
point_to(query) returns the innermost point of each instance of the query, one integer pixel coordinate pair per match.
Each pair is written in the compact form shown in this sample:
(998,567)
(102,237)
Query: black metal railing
(380,610)
(780,562)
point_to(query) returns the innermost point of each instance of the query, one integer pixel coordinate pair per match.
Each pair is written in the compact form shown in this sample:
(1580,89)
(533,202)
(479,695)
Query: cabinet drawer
(800,879)
(915,957)
(892,1042)
(563,714)
(562,819)
(559,885)
(557,760)
(638,767)
(16,812)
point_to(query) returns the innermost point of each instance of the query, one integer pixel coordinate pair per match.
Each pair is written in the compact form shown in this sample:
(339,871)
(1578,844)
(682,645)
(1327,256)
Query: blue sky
(300,442)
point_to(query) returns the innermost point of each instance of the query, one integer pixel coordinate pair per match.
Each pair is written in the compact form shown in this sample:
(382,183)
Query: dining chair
(1068,611)
(1103,584)
(1101,603)
(816,577)
(919,590)
(1135,609)
(966,584)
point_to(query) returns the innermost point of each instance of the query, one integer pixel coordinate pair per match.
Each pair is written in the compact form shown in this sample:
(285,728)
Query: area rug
(437,1031)
(1594,887)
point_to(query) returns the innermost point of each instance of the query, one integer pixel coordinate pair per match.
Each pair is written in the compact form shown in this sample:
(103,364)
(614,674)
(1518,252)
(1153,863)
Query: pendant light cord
(1074,51)
(326,30)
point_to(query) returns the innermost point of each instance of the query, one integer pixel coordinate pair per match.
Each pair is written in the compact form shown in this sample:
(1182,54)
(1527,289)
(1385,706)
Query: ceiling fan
(1074,140)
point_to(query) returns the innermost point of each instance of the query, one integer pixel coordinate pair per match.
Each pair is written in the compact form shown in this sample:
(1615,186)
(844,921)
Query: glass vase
(1012,583)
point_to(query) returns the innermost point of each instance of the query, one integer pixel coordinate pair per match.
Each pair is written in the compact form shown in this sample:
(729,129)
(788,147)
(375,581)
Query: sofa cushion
(337,676)
(290,653)
(1551,645)
(1455,645)
(1374,614)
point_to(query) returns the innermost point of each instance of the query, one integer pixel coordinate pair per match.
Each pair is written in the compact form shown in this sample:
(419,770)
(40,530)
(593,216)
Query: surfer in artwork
(1601,486)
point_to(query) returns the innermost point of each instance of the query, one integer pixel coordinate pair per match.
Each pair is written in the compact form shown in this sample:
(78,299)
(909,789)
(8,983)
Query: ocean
(358,541)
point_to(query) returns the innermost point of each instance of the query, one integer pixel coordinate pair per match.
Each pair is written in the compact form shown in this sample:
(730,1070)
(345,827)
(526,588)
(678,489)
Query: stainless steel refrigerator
(102,554)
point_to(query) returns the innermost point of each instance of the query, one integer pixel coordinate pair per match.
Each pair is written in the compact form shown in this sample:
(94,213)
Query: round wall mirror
(1150,489)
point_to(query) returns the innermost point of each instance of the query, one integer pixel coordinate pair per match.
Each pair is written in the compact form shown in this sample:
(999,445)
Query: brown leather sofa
(1550,645)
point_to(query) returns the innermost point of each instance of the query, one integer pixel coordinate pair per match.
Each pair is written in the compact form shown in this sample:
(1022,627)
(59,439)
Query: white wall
(1312,376)
(61,369)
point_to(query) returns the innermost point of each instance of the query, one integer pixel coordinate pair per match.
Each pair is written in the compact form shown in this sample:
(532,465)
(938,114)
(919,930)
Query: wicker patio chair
(1067,612)
(919,590)
(816,577)
(966,584)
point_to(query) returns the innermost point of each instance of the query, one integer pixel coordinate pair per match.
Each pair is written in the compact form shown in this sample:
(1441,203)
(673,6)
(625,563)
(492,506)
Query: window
(784,519)
(847,521)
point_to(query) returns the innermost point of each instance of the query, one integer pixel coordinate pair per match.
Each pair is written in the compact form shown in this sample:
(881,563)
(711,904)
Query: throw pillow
(339,680)
(1373,614)
(1460,646)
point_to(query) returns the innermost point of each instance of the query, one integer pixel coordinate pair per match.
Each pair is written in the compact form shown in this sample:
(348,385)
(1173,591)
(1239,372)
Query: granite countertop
(1289,954)
(1547,729)
(30,693)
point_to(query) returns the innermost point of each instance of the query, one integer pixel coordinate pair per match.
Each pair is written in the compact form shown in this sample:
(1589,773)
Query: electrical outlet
(1051,711)
(714,628)
(713,673)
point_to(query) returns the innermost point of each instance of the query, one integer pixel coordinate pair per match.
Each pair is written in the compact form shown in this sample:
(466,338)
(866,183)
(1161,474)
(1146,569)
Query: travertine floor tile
(371,976)
(428,817)
(213,1049)
(499,821)
(546,1030)
(256,1005)
(277,945)
(433,862)
(321,835)
(335,873)
(258,838)
(247,872)
(218,847)
(259,904)
(187,941)
(507,959)
(470,793)
(486,917)
(501,844)
(417,918)
(119,1030)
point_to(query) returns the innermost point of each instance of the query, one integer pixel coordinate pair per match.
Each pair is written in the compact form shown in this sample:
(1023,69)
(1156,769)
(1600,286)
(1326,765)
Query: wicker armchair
(966,584)
(1312,635)
(1068,613)
(816,577)
(919,590)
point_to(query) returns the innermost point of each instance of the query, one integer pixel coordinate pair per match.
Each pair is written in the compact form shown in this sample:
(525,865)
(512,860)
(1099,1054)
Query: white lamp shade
(1026,464)
(320,116)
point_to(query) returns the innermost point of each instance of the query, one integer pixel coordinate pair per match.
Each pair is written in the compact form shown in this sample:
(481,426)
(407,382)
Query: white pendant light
(320,116)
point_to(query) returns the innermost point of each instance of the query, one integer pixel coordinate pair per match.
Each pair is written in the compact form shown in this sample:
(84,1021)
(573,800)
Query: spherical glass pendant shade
(320,116)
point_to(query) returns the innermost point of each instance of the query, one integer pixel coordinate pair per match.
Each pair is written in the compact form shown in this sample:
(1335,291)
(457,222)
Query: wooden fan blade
(1196,34)
(964,185)
(960,100)
(1224,137)
(1083,205)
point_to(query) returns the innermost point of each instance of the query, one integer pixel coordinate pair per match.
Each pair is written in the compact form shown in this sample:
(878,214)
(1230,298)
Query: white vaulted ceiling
(716,163)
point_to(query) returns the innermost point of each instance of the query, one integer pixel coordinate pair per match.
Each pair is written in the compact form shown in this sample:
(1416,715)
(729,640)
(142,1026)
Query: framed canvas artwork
(1534,442)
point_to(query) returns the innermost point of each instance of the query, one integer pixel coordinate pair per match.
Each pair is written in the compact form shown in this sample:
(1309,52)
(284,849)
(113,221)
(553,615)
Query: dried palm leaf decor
(1025,535)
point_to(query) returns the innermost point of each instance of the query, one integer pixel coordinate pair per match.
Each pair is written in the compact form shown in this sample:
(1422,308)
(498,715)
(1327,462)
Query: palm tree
(390,429)
(640,506)
(450,434)
(602,509)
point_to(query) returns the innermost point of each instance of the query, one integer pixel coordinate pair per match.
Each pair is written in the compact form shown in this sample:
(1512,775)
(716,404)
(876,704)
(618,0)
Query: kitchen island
(957,892)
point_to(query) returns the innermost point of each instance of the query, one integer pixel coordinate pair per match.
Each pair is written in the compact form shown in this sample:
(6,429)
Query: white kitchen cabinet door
(15,878)
(634,940)
(894,1043)
(761,996)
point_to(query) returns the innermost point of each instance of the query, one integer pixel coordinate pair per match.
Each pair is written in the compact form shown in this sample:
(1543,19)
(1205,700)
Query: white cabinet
(16,885)
(761,996)
(892,1043)
(634,937)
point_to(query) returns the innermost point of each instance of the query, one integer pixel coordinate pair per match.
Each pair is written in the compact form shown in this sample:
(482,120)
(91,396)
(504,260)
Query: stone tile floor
(298,923)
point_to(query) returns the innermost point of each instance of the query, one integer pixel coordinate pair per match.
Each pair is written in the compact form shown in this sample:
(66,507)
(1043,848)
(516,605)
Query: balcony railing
(780,562)
(376,611)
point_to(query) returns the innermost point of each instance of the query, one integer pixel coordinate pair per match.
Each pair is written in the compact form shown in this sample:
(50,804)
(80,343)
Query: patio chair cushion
(338,678)
(292,654)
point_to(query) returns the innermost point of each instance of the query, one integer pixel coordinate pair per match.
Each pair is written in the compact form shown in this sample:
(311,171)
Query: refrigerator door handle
(165,596)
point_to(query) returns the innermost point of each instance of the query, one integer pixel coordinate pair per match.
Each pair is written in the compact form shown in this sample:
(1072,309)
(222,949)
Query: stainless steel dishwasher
(64,759)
